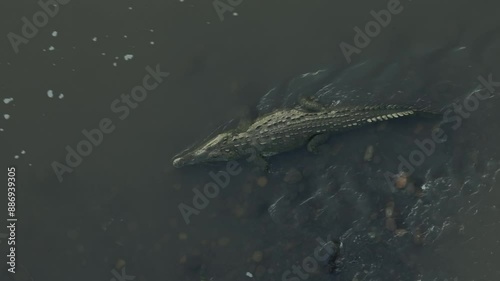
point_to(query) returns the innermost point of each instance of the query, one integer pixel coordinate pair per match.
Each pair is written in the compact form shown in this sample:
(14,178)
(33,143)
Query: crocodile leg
(316,141)
(261,163)
(257,159)
(311,105)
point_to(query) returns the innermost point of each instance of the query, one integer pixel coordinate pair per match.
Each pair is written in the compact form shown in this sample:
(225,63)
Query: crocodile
(287,129)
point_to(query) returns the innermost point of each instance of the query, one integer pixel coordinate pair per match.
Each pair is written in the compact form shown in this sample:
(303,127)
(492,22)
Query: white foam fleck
(6,116)
(94,39)
(16,156)
(7,100)
(128,57)
(51,48)
(61,95)
(54,33)
(50,94)
(23,151)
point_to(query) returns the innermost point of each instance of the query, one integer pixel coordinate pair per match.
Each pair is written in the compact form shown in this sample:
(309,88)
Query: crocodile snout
(178,162)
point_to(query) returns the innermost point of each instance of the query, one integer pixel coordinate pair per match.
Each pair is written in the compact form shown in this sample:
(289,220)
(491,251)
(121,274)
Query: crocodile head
(218,148)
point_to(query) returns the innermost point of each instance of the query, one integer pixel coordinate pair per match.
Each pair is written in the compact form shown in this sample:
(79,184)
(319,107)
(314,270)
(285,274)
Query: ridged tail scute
(360,115)
(390,108)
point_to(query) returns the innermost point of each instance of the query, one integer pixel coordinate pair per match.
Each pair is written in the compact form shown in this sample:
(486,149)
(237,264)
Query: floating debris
(401,180)
(262,181)
(257,256)
(389,209)
(400,232)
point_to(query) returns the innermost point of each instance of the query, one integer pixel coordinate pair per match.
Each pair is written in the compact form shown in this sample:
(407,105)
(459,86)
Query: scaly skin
(286,130)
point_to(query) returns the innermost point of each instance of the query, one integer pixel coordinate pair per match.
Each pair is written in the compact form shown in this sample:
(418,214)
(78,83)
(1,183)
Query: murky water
(97,196)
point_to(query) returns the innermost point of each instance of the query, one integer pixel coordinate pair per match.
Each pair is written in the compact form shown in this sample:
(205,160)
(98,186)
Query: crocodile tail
(421,109)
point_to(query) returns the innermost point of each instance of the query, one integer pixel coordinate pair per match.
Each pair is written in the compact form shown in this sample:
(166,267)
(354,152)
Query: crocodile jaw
(211,151)
(181,162)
